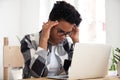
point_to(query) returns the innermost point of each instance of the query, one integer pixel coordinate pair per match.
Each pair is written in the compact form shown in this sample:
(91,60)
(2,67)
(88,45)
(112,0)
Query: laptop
(89,61)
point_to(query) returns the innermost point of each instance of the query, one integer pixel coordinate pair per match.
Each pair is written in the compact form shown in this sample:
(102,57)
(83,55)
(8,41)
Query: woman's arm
(34,57)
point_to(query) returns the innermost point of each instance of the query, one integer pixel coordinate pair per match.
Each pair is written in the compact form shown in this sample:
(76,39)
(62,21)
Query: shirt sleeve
(34,56)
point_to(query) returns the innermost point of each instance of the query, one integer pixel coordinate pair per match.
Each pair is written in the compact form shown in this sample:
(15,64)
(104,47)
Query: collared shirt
(37,59)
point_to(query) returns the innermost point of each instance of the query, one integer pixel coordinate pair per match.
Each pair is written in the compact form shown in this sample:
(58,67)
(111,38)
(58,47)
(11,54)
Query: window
(92,28)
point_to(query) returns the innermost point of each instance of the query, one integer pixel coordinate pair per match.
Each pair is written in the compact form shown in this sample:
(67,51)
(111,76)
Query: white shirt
(53,66)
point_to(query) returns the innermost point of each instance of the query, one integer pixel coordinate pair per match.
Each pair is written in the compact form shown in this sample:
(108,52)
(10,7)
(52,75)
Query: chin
(60,41)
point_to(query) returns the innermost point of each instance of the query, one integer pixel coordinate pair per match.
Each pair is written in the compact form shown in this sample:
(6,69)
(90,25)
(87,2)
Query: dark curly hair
(64,11)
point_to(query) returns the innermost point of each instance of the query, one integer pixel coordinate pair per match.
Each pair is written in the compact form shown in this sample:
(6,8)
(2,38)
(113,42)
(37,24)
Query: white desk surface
(111,76)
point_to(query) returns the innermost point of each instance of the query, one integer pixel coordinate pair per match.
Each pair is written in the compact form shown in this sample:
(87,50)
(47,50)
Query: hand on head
(46,28)
(75,34)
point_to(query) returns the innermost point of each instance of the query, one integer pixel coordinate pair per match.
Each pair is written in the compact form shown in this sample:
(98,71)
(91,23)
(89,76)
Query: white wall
(17,17)
(113,22)
(30,16)
(9,25)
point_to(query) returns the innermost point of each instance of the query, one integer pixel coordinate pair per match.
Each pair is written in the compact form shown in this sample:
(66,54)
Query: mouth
(60,40)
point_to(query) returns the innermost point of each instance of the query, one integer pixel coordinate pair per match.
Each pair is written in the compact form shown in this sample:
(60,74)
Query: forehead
(66,26)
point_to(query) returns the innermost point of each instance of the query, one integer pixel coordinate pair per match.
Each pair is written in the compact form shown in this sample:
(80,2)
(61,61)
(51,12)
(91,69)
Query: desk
(106,78)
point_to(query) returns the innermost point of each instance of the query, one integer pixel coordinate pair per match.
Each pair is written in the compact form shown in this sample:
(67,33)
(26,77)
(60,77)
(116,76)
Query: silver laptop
(89,61)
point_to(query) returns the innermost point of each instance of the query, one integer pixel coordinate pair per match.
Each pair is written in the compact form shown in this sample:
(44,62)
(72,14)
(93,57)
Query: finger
(44,25)
(52,23)
(76,28)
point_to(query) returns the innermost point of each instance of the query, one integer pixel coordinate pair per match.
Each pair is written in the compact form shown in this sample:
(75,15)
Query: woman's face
(60,31)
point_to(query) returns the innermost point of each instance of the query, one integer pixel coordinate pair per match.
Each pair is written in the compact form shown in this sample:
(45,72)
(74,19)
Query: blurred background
(101,20)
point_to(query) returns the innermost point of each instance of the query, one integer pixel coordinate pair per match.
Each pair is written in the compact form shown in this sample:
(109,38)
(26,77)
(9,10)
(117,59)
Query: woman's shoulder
(31,37)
